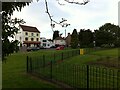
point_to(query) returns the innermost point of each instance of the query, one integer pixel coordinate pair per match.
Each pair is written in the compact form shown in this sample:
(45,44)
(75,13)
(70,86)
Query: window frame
(32,39)
(26,38)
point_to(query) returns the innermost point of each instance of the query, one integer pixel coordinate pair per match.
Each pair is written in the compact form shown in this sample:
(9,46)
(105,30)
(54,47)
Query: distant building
(46,43)
(68,40)
(28,36)
(59,41)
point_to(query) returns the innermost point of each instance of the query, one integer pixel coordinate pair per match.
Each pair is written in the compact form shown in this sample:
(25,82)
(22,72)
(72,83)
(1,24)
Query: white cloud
(92,15)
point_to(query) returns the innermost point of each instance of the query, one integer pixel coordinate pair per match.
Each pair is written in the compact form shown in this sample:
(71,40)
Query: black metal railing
(76,76)
(45,60)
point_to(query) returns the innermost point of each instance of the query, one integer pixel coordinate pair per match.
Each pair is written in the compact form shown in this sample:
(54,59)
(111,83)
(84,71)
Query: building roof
(29,28)
(58,38)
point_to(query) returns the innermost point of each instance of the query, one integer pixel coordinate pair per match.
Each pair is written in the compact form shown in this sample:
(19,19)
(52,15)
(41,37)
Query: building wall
(46,44)
(21,35)
(29,36)
(60,42)
(68,40)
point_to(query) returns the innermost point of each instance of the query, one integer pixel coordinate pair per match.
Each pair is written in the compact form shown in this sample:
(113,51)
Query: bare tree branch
(62,23)
(52,20)
(74,2)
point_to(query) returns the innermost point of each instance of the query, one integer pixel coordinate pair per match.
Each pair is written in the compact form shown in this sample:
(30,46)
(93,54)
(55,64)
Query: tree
(8,26)
(74,39)
(55,34)
(108,34)
(86,38)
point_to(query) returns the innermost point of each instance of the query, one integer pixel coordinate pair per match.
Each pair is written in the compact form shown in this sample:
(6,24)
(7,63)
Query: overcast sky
(89,16)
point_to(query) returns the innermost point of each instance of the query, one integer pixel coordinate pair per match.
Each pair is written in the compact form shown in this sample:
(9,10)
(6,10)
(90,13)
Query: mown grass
(14,72)
(111,52)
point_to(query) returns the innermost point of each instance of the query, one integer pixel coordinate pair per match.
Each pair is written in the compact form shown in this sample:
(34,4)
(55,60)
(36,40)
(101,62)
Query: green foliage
(108,34)
(74,39)
(86,38)
(55,34)
(8,26)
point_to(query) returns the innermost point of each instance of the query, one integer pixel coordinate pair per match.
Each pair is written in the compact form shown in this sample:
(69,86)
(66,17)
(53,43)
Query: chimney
(68,34)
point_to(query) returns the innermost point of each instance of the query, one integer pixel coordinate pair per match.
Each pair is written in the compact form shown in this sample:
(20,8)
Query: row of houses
(29,36)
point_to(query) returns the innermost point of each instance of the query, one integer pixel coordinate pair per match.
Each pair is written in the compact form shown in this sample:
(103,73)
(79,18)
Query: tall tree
(8,26)
(108,35)
(86,38)
(55,34)
(74,39)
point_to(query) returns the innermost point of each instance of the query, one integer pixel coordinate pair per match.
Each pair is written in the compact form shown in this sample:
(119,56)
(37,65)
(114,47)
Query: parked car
(32,48)
(53,47)
(60,48)
(41,47)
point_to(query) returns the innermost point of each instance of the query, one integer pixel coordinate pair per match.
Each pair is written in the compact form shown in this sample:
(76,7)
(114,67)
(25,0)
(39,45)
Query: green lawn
(111,52)
(14,73)
(14,70)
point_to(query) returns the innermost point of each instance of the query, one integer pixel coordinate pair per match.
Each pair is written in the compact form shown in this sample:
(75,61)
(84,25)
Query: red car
(60,48)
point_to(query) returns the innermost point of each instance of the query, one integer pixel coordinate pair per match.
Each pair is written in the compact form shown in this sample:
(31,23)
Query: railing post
(30,65)
(78,52)
(51,70)
(62,56)
(87,77)
(118,79)
(27,64)
(68,54)
(43,60)
(54,57)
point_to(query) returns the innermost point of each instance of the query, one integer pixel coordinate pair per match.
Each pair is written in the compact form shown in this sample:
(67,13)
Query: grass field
(14,70)
(14,73)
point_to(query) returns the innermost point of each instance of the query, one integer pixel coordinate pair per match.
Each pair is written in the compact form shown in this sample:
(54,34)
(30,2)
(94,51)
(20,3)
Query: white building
(59,41)
(28,36)
(46,43)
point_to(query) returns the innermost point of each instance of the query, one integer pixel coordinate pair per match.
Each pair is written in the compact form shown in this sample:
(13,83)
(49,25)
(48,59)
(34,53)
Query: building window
(32,34)
(37,34)
(44,40)
(32,39)
(37,39)
(44,44)
(26,33)
(48,44)
(26,39)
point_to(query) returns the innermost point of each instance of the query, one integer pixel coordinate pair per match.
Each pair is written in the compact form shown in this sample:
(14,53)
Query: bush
(107,46)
